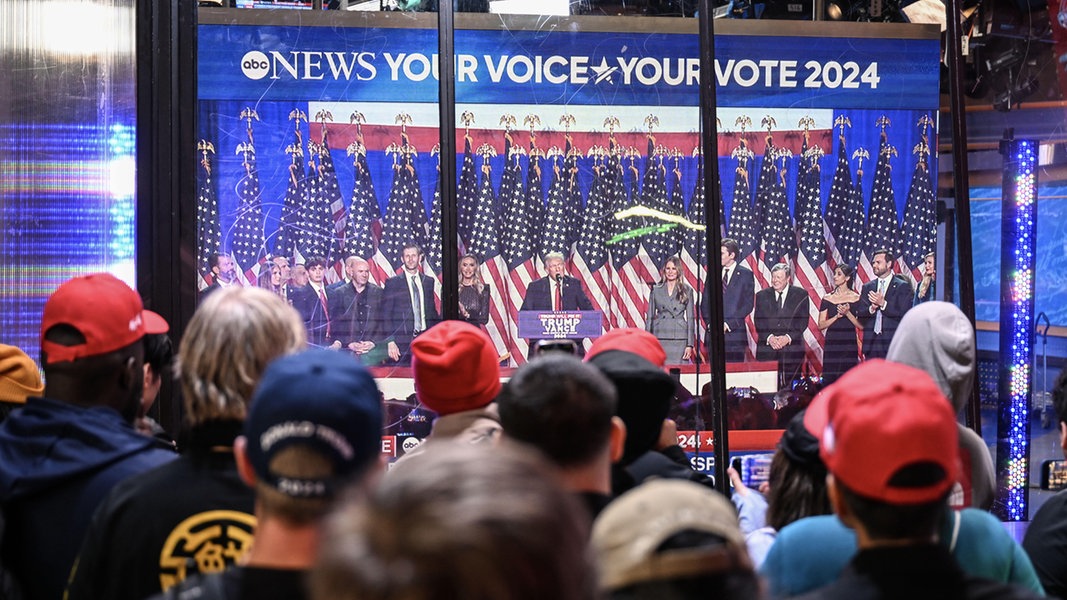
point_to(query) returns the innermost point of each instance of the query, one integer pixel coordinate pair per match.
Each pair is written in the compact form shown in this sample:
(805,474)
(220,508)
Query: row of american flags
(526,188)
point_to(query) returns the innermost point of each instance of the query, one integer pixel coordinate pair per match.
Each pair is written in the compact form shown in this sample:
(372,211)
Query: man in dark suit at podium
(738,292)
(555,292)
(781,318)
(883,301)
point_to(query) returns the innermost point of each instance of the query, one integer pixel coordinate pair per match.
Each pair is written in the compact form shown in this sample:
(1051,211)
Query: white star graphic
(603,71)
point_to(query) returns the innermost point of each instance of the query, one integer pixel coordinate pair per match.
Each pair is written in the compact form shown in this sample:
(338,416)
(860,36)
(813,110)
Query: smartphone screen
(1054,475)
(754,469)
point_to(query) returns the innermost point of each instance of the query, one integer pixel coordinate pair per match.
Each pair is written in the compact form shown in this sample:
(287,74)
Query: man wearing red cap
(62,453)
(457,375)
(894,500)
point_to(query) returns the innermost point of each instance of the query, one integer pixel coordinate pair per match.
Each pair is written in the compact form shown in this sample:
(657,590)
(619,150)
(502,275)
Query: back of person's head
(305,442)
(630,339)
(797,477)
(561,406)
(19,379)
(1059,396)
(891,444)
(459,524)
(159,354)
(670,538)
(455,367)
(644,398)
(91,348)
(936,337)
(231,338)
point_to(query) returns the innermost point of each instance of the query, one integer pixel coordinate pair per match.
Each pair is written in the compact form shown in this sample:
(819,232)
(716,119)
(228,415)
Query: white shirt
(420,315)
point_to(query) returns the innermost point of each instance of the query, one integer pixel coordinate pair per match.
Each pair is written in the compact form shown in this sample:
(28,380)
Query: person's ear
(837,501)
(244,467)
(1063,437)
(617,439)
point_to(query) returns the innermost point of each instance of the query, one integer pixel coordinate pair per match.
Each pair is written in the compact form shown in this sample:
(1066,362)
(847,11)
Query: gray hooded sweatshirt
(937,338)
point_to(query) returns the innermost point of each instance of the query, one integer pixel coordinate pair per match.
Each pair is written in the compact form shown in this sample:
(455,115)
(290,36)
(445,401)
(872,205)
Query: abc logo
(410,444)
(255,65)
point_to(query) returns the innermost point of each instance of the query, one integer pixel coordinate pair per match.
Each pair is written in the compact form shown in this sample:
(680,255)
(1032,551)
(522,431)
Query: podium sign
(558,325)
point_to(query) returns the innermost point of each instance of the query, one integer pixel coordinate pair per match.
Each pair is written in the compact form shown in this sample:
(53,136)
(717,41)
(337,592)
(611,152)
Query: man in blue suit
(883,301)
(738,294)
(555,292)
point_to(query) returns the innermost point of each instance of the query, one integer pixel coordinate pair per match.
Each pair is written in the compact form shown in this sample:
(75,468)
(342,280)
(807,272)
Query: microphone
(559,278)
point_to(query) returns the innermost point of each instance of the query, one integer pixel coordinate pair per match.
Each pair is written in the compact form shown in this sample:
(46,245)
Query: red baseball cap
(104,310)
(630,339)
(890,435)
(456,368)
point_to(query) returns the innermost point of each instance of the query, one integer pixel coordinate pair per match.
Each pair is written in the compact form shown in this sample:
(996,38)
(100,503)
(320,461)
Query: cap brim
(153,323)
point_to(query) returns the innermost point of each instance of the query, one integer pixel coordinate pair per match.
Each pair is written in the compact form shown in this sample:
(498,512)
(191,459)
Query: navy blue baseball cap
(324,401)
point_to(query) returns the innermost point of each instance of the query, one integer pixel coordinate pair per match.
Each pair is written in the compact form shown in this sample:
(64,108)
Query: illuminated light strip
(1016,328)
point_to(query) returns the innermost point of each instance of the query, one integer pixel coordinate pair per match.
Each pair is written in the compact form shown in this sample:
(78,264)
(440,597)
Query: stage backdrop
(317,138)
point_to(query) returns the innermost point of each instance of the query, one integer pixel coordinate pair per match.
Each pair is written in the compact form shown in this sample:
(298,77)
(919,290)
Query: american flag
(744,228)
(743,225)
(557,215)
(517,246)
(575,202)
(295,193)
(854,216)
(434,248)
(467,187)
(662,244)
(364,214)
(405,215)
(694,256)
(676,204)
(920,219)
(332,203)
(535,198)
(311,220)
(208,229)
(844,229)
(484,245)
(813,273)
(247,241)
(777,240)
(589,264)
(883,230)
(629,299)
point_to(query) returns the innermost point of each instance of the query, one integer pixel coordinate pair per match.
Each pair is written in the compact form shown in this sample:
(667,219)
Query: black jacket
(156,529)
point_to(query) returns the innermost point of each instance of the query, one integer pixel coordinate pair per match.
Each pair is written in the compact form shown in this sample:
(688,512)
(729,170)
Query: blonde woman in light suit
(670,313)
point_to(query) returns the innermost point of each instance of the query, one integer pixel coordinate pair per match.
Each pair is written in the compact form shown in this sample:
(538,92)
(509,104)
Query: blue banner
(571,325)
(564,67)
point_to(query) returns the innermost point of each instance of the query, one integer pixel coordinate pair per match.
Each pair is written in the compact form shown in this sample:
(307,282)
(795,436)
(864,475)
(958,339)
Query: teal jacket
(812,552)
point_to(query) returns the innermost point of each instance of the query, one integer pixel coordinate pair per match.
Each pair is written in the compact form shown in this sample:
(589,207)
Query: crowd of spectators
(564,482)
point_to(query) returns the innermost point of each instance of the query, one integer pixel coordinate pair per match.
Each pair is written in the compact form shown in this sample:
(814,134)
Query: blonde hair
(230,340)
(478,283)
(682,291)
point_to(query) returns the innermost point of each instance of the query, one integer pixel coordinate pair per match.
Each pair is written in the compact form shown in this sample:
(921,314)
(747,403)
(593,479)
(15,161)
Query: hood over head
(936,337)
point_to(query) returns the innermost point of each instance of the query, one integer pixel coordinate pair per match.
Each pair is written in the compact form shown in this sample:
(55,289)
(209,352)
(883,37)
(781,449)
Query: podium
(560,325)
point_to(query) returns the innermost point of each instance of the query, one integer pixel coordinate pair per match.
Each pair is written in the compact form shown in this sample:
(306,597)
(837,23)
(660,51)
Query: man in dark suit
(883,301)
(781,317)
(312,302)
(408,305)
(224,273)
(738,293)
(555,292)
(356,308)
